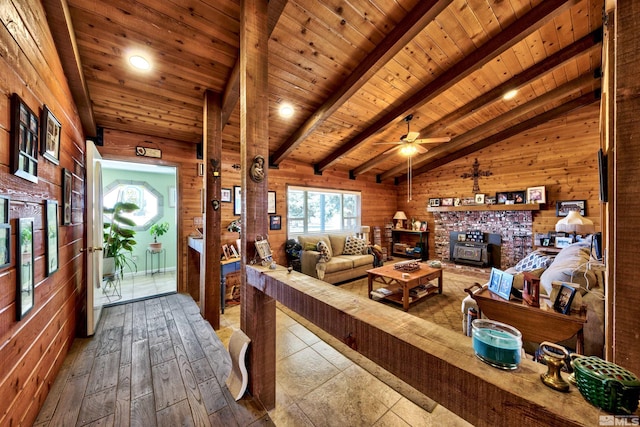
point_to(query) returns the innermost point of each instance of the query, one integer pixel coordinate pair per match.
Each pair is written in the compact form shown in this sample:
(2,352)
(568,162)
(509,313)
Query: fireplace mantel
(501,207)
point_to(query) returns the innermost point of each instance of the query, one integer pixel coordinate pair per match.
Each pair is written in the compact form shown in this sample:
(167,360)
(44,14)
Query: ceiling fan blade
(389,143)
(432,140)
(421,149)
(392,150)
(411,136)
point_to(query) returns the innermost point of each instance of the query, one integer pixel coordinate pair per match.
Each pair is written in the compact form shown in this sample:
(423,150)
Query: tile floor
(316,385)
(137,286)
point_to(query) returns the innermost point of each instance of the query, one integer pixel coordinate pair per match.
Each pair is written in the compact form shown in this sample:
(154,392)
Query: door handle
(96,249)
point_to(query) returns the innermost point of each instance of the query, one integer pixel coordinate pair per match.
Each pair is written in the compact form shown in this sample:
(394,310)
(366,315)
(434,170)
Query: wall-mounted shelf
(520,207)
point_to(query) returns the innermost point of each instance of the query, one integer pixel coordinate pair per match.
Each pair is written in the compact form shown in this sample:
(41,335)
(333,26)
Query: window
(315,210)
(148,199)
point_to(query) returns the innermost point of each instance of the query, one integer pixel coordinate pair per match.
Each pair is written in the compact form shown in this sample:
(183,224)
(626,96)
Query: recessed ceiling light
(139,62)
(286,110)
(510,95)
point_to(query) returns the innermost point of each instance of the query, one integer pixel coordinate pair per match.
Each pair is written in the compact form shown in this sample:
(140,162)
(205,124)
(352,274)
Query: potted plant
(118,238)
(157,230)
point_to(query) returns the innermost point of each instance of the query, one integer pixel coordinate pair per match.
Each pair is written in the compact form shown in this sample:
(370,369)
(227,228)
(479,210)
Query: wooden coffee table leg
(370,286)
(440,282)
(405,297)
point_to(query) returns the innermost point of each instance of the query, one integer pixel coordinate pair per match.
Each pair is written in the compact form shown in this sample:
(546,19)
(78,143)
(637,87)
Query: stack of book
(380,293)
(420,290)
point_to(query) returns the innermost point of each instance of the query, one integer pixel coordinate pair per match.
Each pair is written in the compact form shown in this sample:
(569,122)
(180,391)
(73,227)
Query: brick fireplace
(514,228)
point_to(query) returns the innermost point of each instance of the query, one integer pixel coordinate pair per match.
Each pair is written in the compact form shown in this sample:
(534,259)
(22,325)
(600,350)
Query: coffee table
(393,279)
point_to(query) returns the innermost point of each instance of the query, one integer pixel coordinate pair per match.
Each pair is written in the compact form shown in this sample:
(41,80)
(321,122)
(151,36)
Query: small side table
(149,256)
(112,287)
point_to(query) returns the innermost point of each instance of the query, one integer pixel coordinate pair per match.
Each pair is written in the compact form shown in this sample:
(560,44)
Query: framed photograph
(500,283)
(237,200)
(563,207)
(501,198)
(563,242)
(479,199)
(518,197)
(434,203)
(536,195)
(25,298)
(50,136)
(531,289)
(447,201)
(234,252)
(24,140)
(562,304)
(225,195)
(506,282)
(51,226)
(271,202)
(225,252)
(494,279)
(275,222)
(546,241)
(424,226)
(5,245)
(4,209)
(263,249)
(67,185)
(490,200)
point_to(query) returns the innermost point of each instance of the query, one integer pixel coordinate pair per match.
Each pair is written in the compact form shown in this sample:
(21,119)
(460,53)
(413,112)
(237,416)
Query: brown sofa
(340,267)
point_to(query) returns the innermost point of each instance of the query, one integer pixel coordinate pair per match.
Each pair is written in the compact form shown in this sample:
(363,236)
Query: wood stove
(480,249)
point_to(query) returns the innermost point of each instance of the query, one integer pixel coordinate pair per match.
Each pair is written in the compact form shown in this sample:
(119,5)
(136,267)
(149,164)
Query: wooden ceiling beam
(565,108)
(410,26)
(231,93)
(59,20)
(513,34)
(537,71)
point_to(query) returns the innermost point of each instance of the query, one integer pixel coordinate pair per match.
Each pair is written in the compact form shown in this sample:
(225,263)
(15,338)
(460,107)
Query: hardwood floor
(152,362)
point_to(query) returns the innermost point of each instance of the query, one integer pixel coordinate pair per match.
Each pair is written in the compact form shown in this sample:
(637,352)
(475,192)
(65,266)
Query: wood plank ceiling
(352,69)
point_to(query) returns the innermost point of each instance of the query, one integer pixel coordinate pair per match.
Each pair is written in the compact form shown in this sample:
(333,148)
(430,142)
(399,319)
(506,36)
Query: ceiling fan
(409,143)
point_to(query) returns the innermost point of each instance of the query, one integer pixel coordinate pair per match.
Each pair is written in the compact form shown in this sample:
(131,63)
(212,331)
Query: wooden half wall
(438,362)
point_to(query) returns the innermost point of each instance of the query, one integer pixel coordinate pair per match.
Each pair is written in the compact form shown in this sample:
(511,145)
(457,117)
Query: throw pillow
(354,246)
(310,247)
(534,261)
(325,253)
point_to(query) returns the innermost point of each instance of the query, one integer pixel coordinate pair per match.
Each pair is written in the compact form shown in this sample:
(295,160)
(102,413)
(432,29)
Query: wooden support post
(210,259)
(257,317)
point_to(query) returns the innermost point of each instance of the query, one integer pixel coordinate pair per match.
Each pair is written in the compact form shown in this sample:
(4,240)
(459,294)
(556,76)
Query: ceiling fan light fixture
(510,94)
(408,150)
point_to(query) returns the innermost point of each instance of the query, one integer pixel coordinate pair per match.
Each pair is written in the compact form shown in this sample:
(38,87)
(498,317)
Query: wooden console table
(536,324)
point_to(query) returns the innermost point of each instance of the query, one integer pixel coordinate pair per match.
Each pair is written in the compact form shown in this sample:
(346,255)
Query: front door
(94,237)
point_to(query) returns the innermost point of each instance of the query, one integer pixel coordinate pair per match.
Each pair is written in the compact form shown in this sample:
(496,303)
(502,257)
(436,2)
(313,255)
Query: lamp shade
(400,215)
(575,223)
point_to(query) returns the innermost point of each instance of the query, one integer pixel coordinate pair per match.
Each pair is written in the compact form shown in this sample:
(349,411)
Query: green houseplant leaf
(118,239)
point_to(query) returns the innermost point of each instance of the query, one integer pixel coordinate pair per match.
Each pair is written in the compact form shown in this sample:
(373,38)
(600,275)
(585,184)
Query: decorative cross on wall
(477,173)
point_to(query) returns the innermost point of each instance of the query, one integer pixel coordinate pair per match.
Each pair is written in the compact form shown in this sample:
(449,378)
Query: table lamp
(399,217)
(575,223)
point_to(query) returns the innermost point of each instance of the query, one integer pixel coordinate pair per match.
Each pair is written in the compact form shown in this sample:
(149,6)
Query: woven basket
(607,385)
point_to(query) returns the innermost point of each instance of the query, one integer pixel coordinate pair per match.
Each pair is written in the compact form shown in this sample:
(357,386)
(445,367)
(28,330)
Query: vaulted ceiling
(352,70)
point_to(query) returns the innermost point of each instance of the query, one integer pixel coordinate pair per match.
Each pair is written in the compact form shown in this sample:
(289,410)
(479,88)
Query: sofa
(335,258)
(572,265)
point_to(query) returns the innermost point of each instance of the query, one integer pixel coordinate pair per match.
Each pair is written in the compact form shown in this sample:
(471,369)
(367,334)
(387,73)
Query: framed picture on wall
(5,233)
(51,227)
(563,207)
(24,140)
(50,136)
(275,222)
(25,298)
(271,202)
(67,184)
(225,195)
(237,200)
